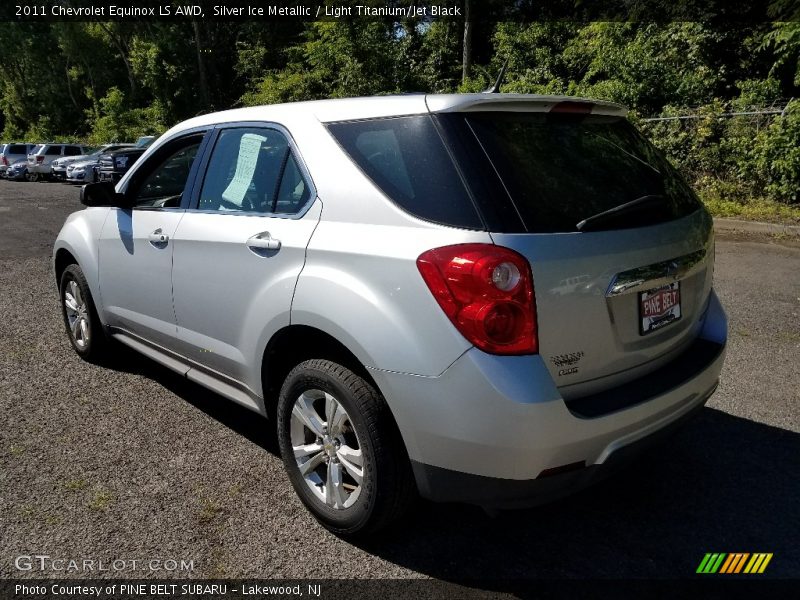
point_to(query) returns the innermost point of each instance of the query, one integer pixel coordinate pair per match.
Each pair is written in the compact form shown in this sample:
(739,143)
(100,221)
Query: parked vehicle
(113,165)
(18,171)
(40,160)
(58,168)
(12,153)
(82,170)
(404,336)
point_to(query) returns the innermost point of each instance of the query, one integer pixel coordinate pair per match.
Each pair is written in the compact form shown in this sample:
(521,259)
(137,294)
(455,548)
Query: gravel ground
(133,462)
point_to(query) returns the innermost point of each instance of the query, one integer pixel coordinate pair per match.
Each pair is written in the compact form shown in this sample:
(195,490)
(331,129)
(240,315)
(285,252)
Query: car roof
(346,109)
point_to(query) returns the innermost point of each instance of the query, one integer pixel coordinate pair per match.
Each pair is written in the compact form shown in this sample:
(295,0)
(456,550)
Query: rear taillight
(487,293)
(5,161)
(40,159)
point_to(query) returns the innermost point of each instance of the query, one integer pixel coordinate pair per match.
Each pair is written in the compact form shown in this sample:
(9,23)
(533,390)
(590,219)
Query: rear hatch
(33,154)
(620,248)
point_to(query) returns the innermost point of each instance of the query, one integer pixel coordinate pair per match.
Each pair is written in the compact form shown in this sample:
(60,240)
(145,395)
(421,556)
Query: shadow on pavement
(720,484)
(252,426)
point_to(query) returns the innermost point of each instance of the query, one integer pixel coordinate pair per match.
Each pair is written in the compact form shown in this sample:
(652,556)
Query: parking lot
(133,462)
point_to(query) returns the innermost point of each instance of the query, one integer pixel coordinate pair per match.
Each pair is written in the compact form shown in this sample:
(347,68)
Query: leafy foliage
(119,80)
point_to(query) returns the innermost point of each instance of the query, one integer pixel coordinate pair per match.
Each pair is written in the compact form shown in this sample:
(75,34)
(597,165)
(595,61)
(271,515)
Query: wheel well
(63,260)
(292,345)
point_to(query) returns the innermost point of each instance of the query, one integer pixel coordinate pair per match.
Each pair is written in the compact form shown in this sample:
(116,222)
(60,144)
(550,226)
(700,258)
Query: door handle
(158,238)
(263,241)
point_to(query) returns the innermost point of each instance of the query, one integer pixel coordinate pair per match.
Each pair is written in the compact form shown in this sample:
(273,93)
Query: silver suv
(480,298)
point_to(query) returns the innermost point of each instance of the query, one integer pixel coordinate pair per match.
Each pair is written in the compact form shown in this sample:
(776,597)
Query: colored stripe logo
(736,562)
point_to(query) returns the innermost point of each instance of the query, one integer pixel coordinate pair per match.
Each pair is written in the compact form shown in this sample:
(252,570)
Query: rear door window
(72,151)
(53,151)
(560,169)
(253,170)
(16,149)
(407,160)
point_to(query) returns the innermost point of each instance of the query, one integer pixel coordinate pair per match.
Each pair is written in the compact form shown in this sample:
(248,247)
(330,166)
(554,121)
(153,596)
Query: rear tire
(84,328)
(330,420)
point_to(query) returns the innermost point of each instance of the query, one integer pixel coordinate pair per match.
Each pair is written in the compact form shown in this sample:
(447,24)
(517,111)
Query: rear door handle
(263,241)
(158,238)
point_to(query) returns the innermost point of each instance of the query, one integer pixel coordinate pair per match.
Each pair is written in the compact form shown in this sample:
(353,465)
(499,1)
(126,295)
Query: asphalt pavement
(133,462)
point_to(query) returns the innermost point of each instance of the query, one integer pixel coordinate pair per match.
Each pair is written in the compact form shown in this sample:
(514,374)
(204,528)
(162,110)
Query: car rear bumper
(495,431)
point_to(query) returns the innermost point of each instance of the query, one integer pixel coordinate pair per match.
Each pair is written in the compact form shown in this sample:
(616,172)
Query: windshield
(560,169)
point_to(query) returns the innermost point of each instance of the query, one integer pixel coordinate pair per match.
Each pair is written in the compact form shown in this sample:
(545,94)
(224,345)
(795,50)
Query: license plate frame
(659,307)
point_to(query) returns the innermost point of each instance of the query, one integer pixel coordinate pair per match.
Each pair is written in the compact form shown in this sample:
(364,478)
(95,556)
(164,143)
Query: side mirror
(102,194)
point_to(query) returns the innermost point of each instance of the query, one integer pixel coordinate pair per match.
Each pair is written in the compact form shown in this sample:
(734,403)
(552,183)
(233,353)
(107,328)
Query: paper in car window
(249,147)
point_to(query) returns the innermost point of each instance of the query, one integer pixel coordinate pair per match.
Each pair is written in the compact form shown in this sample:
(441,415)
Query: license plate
(659,307)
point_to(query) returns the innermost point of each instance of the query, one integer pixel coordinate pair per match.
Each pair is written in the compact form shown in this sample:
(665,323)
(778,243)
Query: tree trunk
(69,87)
(466,57)
(122,46)
(205,96)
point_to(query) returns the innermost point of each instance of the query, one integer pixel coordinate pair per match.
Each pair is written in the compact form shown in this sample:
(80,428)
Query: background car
(82,169)
(40,161)
(113,165)
(18,171)
(13,152)
(58,168)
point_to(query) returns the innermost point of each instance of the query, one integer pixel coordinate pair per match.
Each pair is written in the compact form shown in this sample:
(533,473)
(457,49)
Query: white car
(41,158)
(81,169)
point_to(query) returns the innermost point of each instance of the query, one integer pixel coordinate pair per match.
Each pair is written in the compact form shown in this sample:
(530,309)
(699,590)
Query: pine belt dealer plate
(659,307)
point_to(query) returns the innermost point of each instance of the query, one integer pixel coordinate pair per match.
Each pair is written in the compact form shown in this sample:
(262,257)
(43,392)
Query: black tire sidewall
(354,518)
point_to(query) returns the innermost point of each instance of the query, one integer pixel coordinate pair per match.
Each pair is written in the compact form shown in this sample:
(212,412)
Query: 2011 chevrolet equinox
(485,298)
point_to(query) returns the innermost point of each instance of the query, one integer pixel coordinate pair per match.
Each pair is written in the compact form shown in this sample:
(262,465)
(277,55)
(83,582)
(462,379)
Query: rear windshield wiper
(621,212)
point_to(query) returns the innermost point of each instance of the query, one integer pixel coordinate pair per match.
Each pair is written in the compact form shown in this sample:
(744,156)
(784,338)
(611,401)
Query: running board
(193,372)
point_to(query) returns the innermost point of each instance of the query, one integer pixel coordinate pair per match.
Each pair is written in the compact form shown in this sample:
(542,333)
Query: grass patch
(209,510)
(101,500)
(754,210)
(75,485)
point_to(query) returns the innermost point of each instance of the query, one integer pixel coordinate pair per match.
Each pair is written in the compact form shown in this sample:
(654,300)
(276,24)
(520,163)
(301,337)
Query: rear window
(560,169)
(406,158)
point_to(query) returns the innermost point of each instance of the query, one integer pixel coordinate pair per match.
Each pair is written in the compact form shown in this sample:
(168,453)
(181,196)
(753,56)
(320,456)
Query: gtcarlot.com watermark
(56,565)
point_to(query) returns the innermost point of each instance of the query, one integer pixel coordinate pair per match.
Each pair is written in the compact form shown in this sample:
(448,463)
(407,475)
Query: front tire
(342,450)
(85,331)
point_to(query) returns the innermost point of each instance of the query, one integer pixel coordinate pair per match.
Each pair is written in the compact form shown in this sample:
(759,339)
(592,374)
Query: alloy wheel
(327,449)
(77,314)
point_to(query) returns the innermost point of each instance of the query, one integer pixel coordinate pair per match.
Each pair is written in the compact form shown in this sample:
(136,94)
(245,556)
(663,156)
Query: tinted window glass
(53,151)
(16,149)
(164,184)
(294,193)
(561,169)
(245,170)
(72,151)
(407,160)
